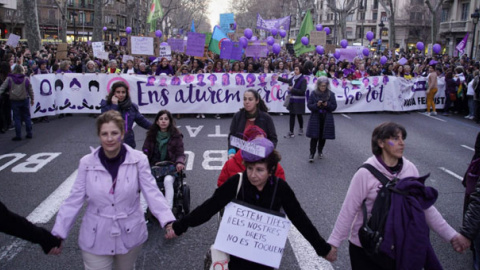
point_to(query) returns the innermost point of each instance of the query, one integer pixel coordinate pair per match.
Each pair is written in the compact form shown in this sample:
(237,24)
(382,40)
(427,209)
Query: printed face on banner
(222,92)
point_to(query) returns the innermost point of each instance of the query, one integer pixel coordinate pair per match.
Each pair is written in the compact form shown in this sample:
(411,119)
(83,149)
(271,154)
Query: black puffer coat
(297,99)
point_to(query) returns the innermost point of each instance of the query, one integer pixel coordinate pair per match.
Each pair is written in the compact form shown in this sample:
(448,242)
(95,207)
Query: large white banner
(220,93)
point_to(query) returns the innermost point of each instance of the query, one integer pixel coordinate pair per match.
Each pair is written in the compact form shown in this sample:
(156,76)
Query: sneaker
(289,135)
(198,116)
(300,132)
(16,139)
(427,113)
(471,117)
(320,156)
(310,158)
(203,116)
(467,117)
(434,113)
(217,116)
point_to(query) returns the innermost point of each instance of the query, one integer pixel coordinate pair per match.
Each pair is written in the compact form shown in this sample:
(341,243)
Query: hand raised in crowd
(169,232)
(332,255)
(460,243)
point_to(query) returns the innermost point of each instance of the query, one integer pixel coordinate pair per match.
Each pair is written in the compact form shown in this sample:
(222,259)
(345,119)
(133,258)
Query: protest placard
(226,21)
(97,47)
(252,234)
(141,45)
(165,51)
(123,41)
(126,57)
(290,48)
(195,44)
(176,45)
(13,40)
(62,51)
(231,50)
(318,38)
(256,50)
(103,55)
(329,48)
(249,147)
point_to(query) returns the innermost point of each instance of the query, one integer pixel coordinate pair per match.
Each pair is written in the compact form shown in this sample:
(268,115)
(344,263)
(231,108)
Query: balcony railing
(455,26)
(81,6)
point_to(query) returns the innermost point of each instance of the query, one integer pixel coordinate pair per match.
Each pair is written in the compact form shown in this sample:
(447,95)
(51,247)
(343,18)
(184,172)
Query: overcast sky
(216,8)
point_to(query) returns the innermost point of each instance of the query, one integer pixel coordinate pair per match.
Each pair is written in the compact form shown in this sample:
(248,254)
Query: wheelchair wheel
(186,198)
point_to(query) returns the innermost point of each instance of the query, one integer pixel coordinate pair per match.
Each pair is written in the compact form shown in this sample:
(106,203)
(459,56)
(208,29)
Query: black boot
(310,158)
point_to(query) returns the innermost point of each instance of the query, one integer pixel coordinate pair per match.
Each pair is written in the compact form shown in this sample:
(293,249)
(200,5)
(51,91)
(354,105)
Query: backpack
(371,233)
(471,176)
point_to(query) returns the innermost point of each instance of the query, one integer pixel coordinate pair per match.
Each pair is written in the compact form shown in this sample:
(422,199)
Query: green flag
(156,13)
(305,29)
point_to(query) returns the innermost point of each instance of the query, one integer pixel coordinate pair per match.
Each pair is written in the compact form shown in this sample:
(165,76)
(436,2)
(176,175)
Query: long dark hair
(114,87)
(261,104)
(154,129)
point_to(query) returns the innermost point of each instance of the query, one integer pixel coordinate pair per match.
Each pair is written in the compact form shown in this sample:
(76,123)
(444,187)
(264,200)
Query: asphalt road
(441,146)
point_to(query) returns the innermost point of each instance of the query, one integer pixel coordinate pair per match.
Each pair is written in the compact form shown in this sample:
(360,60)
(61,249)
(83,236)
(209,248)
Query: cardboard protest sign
(13,40)
(195,44)
(126,57)
(318,38)
(103,55)
(176,45)
(97,47)
(165,51)
(226,22)
(141,45)
(62,51)
(329,48)
(123,41)
(252,234)
(231,50)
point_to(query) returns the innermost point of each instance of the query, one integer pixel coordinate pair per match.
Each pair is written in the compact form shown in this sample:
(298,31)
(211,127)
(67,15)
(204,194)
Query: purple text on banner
(256,51)
(282,23)
(195,44)
(176,44)
(231,50)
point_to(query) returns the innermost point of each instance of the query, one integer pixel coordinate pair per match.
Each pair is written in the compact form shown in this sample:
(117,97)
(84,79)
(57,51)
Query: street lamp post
(475,16)
(381,25)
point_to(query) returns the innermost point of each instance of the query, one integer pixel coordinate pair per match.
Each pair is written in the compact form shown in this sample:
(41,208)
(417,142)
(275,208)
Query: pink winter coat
(113,223)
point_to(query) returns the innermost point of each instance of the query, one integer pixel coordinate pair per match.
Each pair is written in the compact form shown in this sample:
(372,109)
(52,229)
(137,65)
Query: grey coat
(318,114)
(297,99)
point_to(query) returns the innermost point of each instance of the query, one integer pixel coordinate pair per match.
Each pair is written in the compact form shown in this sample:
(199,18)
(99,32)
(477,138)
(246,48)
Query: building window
(349,18)
(349,32)
(360,16)
(416,16)
(374,16)
(444,16)
(330,17)
(375,4)
(465,9)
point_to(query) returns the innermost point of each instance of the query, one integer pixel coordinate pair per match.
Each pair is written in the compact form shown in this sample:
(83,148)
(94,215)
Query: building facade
(456,22)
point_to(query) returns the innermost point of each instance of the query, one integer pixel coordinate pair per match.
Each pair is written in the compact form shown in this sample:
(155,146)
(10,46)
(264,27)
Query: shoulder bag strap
(380,177)
(239,183)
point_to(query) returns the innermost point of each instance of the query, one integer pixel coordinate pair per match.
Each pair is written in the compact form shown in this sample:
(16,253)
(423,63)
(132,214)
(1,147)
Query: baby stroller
(181,195)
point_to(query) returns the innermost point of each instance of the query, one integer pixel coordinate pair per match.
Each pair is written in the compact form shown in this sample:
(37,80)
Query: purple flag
(282,23)
(461,46)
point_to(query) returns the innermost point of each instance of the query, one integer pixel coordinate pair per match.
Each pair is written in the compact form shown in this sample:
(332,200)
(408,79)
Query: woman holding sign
(296,106)
(257,188)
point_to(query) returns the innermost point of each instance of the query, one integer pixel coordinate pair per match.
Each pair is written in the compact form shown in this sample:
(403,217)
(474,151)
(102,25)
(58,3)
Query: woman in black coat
(296,106)
(321,125)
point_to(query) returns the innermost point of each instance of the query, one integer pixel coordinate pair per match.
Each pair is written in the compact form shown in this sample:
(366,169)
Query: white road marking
(42,214)
(451,173)
(436,118)
(217,133)
(306,256)
(468,147)
(346,116)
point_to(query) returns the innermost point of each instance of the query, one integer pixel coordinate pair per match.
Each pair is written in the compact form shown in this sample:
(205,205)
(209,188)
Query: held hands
(460,243)
(180,167)
(332,255)
(170,233)
(56,250)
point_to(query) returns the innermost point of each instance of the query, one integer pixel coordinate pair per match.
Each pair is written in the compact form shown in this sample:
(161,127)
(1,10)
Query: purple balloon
(344,43)
(383,60)
(164,44)
(104,28)
(270,40)
(276,48)
(243,41)
(327,30)
(370,35)
(282,33)
(128,30)
(319,27)
(274,31)
(366,51)
(248,33)
(304,41)
(437,48)
(158,33)
(320,49)
(420,46)
(336,54)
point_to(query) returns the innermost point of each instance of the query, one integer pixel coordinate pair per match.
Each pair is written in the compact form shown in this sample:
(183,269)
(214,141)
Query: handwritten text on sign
(252,235)
(142,46)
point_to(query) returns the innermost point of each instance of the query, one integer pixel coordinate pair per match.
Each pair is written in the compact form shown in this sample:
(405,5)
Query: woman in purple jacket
(164,142)
(109,180)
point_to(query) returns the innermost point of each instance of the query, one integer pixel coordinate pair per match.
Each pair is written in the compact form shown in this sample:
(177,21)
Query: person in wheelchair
(164,142)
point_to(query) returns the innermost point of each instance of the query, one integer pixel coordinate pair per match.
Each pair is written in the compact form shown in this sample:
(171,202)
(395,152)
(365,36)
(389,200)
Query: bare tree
(343,8)
(62,6)
(182,17)
(435,21)
(389,6)
(99,5)
(32,29)
(246,11)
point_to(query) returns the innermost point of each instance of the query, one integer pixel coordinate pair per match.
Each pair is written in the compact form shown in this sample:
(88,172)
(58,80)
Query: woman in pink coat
(110,180)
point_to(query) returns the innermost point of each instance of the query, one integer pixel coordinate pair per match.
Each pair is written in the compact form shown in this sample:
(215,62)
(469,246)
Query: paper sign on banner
(142,46)
(13,40)
(226,21)
(318,38)
(166,52)
(231,50)
(195,44)
(252,234)
(176,45)
(125,58)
